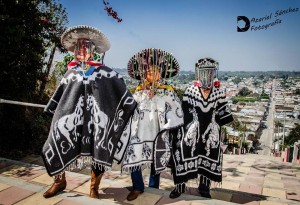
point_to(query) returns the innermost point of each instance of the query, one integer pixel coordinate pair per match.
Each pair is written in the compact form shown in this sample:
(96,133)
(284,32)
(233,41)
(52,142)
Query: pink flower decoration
(198,84)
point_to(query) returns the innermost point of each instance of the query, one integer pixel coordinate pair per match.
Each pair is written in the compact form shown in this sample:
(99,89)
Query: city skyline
(194,29)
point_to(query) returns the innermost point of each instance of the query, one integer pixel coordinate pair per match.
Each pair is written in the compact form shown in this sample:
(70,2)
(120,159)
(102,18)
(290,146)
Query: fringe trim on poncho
(184,186)
(131,169)
(81,163)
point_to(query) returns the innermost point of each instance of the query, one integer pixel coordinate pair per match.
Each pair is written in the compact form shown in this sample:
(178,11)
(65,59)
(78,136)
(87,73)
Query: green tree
(24,41)
(278,125)
(244,92)
(242,100)
(293,136)
(54,18)
(179,93)
(22,49)
(256,83)
(224,134)
(237,80)
(253,138)
(243,130)
(61,66)
(264,95)
(60,69)
(261,77)
(235,124)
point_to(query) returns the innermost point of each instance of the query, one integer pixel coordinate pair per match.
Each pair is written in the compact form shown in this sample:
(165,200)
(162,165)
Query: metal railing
(21,103)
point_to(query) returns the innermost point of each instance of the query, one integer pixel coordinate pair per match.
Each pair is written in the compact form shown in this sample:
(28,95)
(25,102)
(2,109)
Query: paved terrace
(247,179)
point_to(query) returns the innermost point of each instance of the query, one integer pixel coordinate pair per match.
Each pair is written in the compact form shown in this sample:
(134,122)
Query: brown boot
(133,195)
(59,184)
(95,181)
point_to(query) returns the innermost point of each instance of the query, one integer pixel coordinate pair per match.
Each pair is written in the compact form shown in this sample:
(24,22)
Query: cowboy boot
(95,181)
(59,184)
(133,195)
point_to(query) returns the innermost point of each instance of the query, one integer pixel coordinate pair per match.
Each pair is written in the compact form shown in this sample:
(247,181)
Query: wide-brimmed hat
(139,63)
(70,36)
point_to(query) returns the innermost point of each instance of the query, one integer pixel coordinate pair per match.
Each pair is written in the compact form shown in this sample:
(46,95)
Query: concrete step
(25,183)
(247,179)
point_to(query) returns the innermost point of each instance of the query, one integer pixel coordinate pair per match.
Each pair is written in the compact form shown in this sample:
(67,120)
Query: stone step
(247,179)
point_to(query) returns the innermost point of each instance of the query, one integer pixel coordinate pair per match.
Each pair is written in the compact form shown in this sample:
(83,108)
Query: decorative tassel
(181,188)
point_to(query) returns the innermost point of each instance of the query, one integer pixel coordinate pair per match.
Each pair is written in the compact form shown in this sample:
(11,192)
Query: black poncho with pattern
(196,149)
(90,113)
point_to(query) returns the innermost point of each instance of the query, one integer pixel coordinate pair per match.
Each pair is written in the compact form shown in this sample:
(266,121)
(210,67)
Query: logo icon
(246,21)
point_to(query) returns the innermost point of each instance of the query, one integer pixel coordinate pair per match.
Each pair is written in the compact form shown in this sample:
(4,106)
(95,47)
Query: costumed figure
(158,113)
(90,108)
(198,152)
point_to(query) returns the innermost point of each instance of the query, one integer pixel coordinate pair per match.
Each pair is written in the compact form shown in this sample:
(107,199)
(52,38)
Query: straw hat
(139,63)
(70,36)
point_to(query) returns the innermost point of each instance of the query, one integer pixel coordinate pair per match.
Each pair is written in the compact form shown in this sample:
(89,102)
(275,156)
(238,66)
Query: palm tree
(277,124)
(224,134)
(235,124)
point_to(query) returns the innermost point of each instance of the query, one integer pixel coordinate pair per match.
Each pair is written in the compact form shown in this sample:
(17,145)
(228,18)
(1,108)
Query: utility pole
(244,138)
(283,128)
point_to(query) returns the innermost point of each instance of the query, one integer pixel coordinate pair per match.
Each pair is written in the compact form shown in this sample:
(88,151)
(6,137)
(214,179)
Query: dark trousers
(138,182)
(154,178)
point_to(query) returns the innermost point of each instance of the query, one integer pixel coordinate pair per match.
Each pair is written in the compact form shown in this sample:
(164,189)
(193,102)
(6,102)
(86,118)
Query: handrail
(21,103)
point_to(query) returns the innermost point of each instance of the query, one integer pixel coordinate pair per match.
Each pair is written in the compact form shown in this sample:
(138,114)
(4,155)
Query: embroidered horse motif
(213,137)
(99,119)
(68,124)
(192,131)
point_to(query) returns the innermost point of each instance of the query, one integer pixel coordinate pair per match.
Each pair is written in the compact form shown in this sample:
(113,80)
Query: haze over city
(194,29)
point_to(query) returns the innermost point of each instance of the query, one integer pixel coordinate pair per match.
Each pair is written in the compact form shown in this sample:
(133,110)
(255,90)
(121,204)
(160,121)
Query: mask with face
(84,51)
(206,72)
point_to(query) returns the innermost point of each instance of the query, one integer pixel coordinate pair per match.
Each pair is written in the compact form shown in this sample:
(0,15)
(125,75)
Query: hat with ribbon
(165,62)
(70,36)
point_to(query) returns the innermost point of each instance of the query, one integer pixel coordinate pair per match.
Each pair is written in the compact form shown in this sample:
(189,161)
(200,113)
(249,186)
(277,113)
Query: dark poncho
(196,149)
(90,113)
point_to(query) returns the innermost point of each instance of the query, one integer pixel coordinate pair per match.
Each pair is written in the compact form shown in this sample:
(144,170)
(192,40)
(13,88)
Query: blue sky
(192,29)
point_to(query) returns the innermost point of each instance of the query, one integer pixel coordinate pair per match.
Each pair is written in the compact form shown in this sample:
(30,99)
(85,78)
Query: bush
(24,130)
(244,99)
